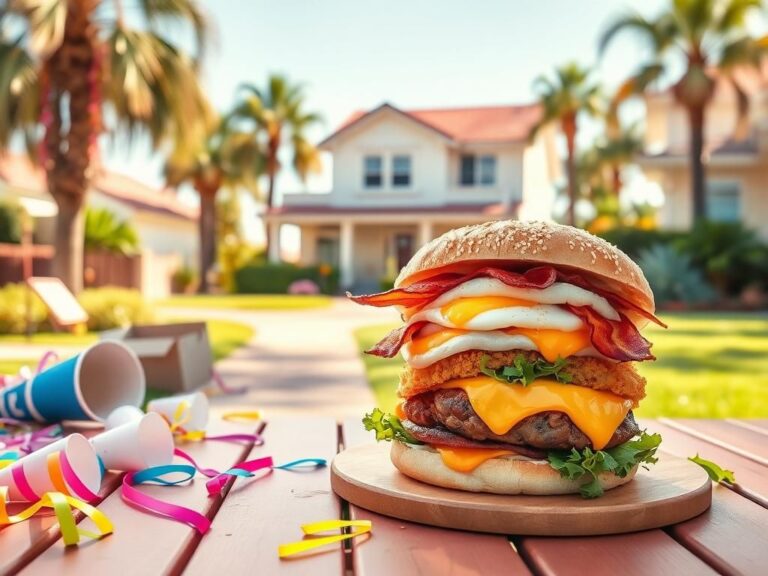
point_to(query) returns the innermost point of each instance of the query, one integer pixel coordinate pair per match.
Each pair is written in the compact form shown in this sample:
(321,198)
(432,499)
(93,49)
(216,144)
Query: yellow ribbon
(364,527)
(246,416)
(62,506)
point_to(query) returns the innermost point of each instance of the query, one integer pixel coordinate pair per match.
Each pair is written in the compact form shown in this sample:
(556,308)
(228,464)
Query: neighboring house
(403,177)
(737,170)
(167,228)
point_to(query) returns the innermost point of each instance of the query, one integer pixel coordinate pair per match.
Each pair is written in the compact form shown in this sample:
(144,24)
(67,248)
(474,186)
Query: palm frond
(46,20)
(19,94)
(160,13)
(656,33)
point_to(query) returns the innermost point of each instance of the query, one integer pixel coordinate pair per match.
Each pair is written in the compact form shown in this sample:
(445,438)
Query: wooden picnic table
(254,516)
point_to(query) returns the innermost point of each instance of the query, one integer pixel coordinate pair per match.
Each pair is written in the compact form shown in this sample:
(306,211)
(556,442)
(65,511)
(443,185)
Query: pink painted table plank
(259,514)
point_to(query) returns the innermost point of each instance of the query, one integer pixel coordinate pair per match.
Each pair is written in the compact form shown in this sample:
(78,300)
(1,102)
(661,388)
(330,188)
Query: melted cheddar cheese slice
(501,406)
(550,343)
(462,310)
(467,459)
(555,343)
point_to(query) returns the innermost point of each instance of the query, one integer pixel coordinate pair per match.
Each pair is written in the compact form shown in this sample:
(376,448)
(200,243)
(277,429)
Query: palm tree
(619,149)
(562,100)
(706,39)
(63,62)
(272,112)
(225,158)
(104,231)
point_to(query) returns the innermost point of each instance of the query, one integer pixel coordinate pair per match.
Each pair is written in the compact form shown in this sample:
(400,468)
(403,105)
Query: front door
(403,249)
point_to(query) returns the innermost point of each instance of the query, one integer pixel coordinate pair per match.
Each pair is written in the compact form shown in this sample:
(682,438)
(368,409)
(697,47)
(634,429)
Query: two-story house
(737,169)
(402,177)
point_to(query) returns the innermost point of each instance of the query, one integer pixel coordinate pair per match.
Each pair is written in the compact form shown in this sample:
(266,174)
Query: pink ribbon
(223,386)
(181,514)
(81,490)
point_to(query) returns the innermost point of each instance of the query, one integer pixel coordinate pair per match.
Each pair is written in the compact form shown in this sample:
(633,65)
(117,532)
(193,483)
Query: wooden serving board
(672,491)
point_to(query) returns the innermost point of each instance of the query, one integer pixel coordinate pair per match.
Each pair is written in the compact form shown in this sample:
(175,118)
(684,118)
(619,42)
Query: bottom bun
(504,475)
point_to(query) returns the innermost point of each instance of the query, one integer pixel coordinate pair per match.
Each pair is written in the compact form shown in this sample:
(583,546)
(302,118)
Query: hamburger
(520,341)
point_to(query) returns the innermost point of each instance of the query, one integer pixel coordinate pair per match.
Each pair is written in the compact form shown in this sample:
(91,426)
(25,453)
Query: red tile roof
(464,125)
(18,171)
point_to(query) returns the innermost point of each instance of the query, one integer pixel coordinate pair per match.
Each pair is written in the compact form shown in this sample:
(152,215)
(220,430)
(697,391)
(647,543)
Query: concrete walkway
(299,362)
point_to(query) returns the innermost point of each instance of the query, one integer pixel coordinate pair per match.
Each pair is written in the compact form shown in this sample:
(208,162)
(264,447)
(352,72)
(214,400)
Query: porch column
(273,229)
(346,241)
(425,232)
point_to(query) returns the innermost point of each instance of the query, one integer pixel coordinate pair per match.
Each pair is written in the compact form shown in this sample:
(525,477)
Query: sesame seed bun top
(513,242)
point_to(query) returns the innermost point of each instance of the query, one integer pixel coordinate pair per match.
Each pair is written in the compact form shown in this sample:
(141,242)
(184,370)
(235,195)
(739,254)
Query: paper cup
(80,455)
(196,413)
(123,415)
(88,386)
(136,445)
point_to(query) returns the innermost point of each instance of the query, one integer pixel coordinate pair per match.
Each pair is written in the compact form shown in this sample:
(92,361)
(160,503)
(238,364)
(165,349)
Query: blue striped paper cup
(88,386)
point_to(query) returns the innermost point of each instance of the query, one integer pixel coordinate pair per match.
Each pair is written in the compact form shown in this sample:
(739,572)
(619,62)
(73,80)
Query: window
(401,171)
(477,170)
(372,168)
(487,170)
(723,201)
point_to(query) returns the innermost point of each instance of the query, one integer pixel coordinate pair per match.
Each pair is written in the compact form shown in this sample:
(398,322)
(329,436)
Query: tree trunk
(569,129)
(70,135)
(617,183)
(272,165)
(207,225)
(698,175)
(270,200)
(68,238)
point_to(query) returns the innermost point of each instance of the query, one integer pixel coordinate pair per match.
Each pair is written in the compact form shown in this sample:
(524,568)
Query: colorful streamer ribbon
(181,416)
(364,527)
(152,505)
(243,416)
(62,505)
(223,386)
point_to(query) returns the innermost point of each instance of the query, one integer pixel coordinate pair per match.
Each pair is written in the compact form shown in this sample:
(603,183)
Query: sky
(356,54)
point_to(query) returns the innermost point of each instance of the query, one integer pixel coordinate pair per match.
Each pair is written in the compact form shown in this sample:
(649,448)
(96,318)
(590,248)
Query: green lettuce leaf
(524,372)
(715,472)
(586,465)
(387,427)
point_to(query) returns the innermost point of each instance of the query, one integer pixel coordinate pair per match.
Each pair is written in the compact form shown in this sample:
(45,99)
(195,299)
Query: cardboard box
(175,357)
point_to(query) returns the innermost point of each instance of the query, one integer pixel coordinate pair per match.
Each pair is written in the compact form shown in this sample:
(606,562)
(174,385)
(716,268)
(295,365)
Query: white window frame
(725,186)
(382,172)
(477,170)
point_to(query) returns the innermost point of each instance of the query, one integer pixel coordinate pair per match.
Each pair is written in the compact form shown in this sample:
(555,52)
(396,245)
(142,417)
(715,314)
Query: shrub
(276,278)
(112,307)
(634,240)
(104,231)
(731,255)
(673,277)
(183,279)
(10,223)
(13,310)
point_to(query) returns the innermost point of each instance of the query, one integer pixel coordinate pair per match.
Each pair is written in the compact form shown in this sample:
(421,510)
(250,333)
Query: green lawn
(248,302)
(709,366)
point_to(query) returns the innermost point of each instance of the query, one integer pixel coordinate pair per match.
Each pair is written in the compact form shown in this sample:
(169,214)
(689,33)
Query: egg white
(557,293)
(540,316)
(489,341)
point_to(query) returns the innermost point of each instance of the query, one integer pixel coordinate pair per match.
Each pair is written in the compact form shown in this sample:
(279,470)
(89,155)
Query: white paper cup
(80,455)
(88,386)
(194,417)
(136,445)
(123,415)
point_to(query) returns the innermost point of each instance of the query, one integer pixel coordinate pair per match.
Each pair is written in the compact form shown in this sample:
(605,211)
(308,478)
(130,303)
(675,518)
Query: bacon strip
(617,339)
(390,345)
(422,293)
(614,299)
(443,437)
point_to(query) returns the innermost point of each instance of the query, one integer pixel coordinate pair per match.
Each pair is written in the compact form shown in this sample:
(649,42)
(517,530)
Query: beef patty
(451,409)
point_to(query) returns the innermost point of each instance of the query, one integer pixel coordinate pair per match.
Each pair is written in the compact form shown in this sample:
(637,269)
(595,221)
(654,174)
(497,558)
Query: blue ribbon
(303,463)
(155,474)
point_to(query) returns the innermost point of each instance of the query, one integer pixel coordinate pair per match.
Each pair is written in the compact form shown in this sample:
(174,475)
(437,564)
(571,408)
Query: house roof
(481,124)
(19,172)
(489,209)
